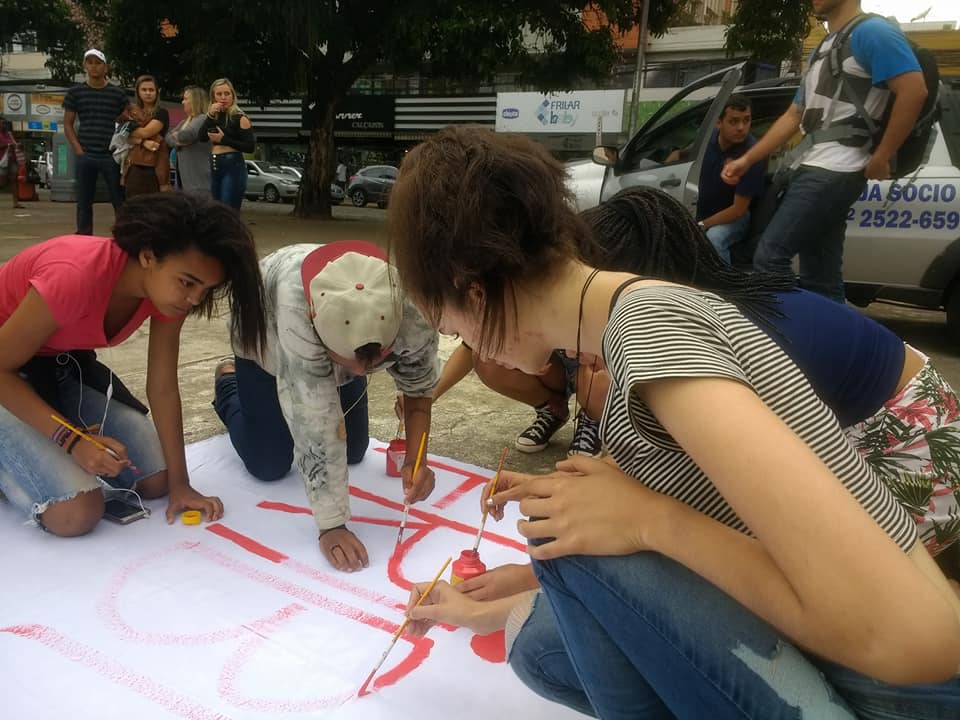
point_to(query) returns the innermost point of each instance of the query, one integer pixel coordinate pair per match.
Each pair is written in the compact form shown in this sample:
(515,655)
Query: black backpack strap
(835,58)
(815,54)
(836,64)
(828,131)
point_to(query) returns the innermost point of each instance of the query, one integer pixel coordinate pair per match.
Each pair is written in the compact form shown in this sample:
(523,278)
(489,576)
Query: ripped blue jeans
(35,472)
(641,636)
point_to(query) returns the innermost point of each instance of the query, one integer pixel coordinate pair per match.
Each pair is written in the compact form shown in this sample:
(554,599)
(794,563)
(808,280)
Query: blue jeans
(35,472)
(540,660)
(811,222)
(247,403)
(228,178)
(87,169)
(642,636)
(723,237)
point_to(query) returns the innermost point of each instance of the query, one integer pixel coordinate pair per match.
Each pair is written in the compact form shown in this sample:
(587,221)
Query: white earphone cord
(64,359)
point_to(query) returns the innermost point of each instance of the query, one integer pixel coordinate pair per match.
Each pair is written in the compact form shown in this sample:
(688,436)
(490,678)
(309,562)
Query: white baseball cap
(96,53)
(352,293)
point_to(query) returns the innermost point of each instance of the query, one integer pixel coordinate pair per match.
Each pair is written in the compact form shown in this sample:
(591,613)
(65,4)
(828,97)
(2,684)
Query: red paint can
(468,565)
(396,454)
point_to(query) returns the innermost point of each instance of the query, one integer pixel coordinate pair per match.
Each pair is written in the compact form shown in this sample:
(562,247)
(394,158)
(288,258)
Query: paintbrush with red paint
(493,490)
(413,477)
(403,626)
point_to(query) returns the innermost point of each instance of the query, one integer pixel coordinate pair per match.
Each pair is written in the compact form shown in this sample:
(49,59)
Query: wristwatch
(701,225)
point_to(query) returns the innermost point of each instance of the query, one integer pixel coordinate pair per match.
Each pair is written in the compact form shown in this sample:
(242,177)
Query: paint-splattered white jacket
(307,380)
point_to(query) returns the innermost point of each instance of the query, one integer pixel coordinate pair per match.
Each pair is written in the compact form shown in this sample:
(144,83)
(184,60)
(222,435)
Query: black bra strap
(620,288)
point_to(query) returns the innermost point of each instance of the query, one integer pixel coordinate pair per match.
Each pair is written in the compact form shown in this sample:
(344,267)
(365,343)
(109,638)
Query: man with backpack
(859,100)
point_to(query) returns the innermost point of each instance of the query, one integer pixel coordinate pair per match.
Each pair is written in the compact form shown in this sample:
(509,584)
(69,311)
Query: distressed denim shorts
(35,472)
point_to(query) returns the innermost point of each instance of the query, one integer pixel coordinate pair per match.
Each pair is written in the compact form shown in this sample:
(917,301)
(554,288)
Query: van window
(677,133)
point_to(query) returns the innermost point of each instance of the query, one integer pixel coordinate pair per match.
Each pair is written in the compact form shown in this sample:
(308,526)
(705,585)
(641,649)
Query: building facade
(387,113)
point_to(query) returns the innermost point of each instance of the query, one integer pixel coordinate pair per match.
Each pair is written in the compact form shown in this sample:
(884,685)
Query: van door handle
(670,182)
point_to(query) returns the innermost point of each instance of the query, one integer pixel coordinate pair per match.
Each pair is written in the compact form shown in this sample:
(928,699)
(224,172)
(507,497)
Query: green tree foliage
(769,30)
(49,23)
(317,49)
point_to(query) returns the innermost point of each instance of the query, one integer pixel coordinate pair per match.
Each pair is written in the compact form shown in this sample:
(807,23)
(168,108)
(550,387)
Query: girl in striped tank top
(738,558)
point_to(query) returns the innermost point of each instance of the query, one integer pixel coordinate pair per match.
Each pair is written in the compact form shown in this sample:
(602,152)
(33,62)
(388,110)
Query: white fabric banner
(244,618)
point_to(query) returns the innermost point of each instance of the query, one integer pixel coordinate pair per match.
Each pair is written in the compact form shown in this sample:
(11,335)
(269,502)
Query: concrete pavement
(470,423)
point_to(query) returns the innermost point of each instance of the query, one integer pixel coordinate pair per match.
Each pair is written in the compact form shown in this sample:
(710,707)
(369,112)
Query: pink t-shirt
(75,275)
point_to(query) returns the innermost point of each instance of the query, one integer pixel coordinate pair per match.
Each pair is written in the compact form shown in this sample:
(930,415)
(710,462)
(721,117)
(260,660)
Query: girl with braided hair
(649,232)
(739,559)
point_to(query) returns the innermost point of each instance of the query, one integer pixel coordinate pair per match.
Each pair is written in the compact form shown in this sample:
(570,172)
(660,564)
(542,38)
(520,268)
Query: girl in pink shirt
(172,255)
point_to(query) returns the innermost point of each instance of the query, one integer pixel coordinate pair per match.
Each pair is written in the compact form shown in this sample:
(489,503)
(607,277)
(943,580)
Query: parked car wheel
(358,197)
(271,194)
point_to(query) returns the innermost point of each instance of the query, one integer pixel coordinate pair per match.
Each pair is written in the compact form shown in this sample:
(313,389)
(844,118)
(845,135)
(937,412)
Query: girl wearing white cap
(334,315)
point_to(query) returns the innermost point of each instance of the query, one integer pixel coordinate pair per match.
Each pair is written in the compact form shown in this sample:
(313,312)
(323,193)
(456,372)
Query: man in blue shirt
(723,210)
(811,220)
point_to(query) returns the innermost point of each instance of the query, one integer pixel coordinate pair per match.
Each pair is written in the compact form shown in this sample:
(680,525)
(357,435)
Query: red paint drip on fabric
(491,648)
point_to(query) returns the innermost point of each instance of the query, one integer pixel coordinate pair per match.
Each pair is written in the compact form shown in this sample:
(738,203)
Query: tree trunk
(313,200)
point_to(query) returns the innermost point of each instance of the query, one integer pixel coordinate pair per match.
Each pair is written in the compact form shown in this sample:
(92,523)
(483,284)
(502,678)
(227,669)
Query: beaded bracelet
(61,435)
(76,439)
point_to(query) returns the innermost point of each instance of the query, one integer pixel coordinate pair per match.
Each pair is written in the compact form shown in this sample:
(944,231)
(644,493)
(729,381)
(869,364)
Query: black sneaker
(586,437)
(536,437)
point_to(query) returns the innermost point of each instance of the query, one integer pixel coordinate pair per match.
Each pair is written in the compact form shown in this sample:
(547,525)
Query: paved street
(470,423)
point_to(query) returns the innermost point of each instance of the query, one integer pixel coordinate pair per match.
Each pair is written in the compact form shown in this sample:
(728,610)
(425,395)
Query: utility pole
(638,71)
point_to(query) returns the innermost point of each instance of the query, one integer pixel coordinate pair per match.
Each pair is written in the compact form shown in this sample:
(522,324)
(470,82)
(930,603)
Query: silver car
(336,192)
(268,181)
(903,236)
(372,184)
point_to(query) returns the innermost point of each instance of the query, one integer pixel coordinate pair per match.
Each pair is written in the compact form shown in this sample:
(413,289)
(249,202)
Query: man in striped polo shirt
(98,105)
